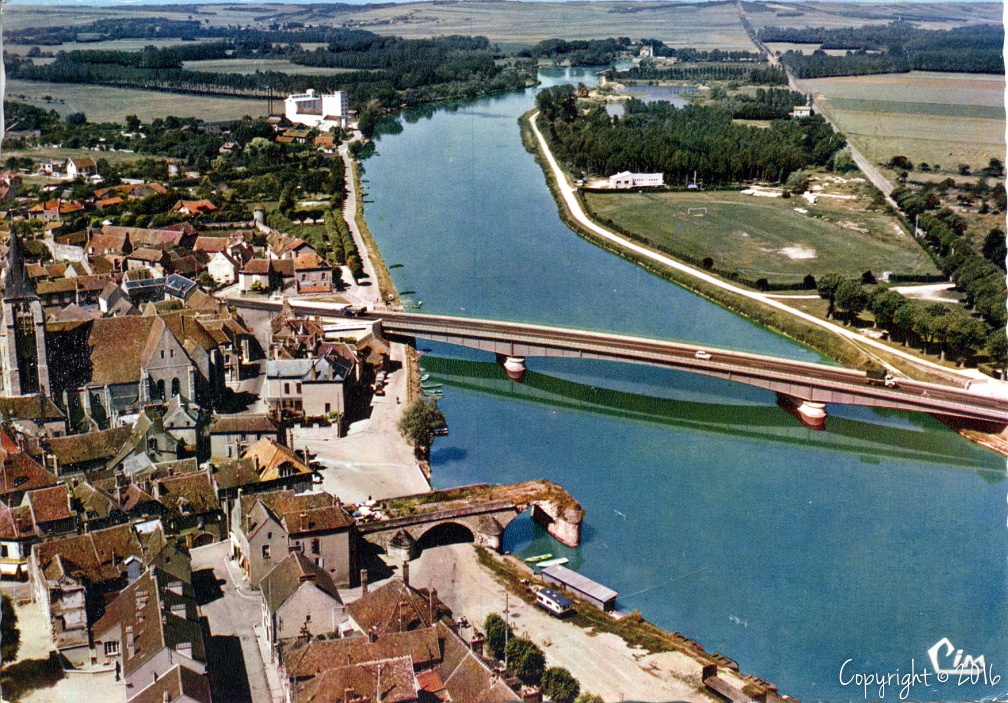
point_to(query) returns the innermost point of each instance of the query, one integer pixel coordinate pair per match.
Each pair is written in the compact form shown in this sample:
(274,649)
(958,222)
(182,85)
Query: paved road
(234,613)
(369,294)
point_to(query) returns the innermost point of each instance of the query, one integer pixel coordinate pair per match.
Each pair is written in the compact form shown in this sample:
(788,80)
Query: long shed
(600,596)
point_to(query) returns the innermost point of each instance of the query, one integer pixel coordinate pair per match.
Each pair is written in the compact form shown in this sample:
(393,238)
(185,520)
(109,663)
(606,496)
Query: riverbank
(838,343)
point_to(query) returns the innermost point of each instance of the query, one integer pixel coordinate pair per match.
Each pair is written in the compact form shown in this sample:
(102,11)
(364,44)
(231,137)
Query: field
(766,237)
(246,66)
(831,14)
(939,118)
(108,104)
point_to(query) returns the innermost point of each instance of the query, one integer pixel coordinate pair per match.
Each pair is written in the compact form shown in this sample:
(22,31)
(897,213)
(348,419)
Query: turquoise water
(710,510)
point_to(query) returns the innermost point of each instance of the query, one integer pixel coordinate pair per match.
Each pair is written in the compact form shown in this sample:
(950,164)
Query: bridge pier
(514,366)
(810,413)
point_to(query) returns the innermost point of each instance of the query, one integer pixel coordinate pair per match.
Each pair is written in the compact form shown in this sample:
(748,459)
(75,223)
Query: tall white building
(322,111)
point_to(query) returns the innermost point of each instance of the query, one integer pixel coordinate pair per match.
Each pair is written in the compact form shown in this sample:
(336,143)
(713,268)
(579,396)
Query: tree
(589,698)
(496,631)
(883,305)
(132,123)
(827,287)
(851,297)
(997,347)
(418,424)
(995,248)
(559,685)
(525,660)
(9,631)
(965,335)
(798,182)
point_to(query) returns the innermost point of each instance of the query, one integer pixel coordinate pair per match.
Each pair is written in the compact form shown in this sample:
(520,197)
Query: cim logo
(949,661)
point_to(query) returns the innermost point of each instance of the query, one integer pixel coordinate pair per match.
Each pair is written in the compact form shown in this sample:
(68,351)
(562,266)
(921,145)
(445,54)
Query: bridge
(802,387)
(479,512)
(805,387)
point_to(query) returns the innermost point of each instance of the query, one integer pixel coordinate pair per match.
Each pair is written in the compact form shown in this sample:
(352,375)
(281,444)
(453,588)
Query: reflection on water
(652,93)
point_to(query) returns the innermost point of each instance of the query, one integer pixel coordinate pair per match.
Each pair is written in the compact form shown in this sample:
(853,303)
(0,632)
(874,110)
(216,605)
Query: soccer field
(766,237)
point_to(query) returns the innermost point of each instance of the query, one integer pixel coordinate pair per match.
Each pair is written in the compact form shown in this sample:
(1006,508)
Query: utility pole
(507,627)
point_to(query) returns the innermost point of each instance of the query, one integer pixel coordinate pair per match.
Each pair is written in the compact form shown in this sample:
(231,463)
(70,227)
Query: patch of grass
(764,237)
(108,104)
(31,674)
(246,66)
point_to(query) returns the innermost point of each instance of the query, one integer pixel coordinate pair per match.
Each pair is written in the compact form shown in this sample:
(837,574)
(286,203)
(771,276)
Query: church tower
(25,369)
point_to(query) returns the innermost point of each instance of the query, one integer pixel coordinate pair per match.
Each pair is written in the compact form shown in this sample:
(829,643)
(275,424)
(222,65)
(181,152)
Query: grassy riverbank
(385,284)
(833,346)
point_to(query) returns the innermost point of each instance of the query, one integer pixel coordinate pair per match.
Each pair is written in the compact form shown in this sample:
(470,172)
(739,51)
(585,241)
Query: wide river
(709,509)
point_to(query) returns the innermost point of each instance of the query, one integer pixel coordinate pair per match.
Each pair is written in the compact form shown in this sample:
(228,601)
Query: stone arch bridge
(482,510)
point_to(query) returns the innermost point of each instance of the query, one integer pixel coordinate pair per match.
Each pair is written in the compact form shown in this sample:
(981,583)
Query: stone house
(266,527)
(83,167)
(299,598)
(231,435)
(313,273)
(304,387)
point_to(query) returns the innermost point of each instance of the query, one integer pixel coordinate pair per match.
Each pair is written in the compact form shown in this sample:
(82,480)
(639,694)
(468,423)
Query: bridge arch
(444,533)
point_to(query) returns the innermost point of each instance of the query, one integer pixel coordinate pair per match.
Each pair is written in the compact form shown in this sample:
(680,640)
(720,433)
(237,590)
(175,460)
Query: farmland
(109,104)
(246,66)
(939,118)
(766,237)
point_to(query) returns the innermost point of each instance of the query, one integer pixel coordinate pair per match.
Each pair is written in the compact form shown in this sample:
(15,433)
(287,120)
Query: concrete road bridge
(802,387)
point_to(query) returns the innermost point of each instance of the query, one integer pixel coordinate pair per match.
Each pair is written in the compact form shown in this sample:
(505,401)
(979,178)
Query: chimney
(405,572)
(363,582)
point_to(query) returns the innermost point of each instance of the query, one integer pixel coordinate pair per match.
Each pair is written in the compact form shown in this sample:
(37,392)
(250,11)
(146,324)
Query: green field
(939,118)
(246,66)
(108,104)
(833,14)
(766,237)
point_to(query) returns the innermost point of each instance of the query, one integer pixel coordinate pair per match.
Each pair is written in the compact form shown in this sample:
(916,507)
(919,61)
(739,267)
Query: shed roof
(579,583)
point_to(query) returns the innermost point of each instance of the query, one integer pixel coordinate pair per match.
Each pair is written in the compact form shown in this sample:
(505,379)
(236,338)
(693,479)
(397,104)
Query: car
(703,355)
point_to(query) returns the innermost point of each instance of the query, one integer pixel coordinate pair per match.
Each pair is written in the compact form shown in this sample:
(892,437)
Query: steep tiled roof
(49,504)
(395,607)
(309,261)
(192,494)
(19,472)
(30,407)
(15,523)
(97,556)
(120,346)
(252,423)
(210,244)
(465,677)
(271,456)
(177,682)
(283,503)
(396,677)
(423,646)
(91,446)
(94,502)
(284,579)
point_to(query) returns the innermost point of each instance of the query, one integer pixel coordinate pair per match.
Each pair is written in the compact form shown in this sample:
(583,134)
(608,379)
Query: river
(711,510)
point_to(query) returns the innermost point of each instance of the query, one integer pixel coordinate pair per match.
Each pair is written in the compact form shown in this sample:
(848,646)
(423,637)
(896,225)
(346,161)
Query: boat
(552,562)
(441,431)
(429,386)
(425,377)
(395,266)
(538,557)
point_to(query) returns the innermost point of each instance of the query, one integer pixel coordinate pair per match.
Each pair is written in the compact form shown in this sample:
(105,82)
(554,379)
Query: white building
(636,180)
(322,111)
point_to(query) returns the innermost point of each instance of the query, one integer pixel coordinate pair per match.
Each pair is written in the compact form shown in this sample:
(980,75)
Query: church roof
(17,285)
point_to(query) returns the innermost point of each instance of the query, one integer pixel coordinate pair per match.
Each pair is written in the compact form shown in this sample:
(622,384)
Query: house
(55,210)
(231,435)
(114,245)
(299,599)
(259,275)
(264,467)
(182,420)
(51,510)
(86,452)
(73,577)
(304,387)
(33,415)
(626,179)
(95,508)
(194,207)
(80,290)
(152,629)
(179,287)
(111,295)
(800,111)
(83,167)
(266,527)
(180,685)
(222,268)
(357,681)
(395,607)
(313,273)
(20,473)
(191,508)
(17,534)
(140,237)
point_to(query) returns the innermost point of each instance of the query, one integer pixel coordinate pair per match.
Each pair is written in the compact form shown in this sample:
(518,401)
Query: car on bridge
(706,356)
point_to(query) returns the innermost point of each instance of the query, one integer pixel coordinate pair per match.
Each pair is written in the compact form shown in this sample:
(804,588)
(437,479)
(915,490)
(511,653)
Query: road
(233,611)
(367,294)
(574,207)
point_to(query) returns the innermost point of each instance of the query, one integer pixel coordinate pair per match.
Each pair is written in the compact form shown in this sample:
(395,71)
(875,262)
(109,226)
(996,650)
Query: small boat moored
(538,557)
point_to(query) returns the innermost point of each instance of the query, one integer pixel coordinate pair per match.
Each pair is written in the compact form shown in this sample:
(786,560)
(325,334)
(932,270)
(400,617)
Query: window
(266,551)
(162,353)
(229,451)
(171,353)
(315,546)
(286,389)
(299,389)
(328,408)
(307,617)
(176,387)
(112,648)
(4,551)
